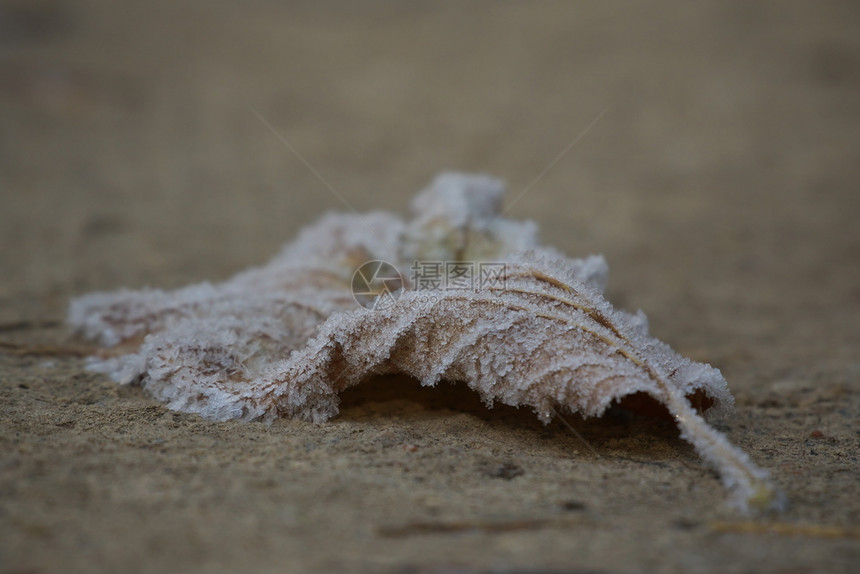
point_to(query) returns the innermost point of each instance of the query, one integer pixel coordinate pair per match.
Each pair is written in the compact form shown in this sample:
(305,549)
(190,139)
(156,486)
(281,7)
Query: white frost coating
(460,198)
(286,338)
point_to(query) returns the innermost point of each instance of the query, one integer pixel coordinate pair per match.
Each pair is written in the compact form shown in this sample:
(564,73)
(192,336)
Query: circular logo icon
(376,284)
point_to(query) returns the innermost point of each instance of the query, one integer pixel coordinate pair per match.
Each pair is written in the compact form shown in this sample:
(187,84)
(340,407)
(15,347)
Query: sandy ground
(721,184)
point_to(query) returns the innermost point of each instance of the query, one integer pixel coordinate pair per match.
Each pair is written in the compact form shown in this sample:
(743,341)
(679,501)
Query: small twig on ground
(43,350)
(495,526)
(27,324)
(575,433)
(787,529)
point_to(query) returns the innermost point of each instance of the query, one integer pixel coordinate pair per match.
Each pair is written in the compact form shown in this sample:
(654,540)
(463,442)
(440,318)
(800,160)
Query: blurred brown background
(721,184)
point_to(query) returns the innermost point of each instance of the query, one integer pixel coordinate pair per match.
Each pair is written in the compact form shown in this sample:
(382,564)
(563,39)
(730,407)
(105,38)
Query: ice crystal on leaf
(285,339)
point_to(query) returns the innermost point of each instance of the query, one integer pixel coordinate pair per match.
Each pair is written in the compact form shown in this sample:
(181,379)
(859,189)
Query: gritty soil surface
(721,184)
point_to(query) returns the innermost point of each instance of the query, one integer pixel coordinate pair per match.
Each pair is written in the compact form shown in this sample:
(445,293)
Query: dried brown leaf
(287,338)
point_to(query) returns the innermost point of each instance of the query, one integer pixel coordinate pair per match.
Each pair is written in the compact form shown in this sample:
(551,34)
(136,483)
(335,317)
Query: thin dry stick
(45,350)
(575,433)
(27,324)
(787,529)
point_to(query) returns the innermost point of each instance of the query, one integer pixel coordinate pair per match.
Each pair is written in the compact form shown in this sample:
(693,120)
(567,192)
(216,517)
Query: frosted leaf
(286,338)
(457,219)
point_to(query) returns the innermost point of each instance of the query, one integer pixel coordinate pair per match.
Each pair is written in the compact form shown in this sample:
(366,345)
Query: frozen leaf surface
(285,339)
